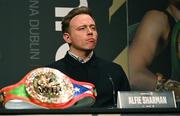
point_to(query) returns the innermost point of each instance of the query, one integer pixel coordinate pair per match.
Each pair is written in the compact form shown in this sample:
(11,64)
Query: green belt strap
(175,72)
(19,91)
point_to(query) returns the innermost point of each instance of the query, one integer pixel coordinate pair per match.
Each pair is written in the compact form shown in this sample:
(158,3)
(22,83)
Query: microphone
(113,87)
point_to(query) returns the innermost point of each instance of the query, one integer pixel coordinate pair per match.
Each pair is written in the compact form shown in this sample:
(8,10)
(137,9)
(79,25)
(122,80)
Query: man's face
(176,3)
(82,33)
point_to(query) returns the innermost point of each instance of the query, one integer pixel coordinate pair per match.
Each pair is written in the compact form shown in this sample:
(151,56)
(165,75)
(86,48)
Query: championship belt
(47,88)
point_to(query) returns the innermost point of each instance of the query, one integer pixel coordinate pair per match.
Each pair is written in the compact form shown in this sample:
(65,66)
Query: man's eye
(93,28)
(82,28)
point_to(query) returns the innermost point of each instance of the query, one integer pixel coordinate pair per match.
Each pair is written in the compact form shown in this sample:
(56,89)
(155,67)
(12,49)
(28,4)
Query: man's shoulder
(156,13)
(106,63)
(56,64)
(156,17)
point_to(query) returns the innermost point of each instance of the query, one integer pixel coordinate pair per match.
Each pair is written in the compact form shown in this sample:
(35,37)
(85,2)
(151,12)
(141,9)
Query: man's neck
(81,54)
(83,58)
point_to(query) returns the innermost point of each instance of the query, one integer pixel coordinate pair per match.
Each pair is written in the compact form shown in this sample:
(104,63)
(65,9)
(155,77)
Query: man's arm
(144,48)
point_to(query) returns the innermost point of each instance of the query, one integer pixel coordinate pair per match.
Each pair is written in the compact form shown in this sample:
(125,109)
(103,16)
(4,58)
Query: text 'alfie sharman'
(147,100)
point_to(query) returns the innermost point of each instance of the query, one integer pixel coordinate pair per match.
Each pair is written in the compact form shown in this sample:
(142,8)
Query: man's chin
(90,48)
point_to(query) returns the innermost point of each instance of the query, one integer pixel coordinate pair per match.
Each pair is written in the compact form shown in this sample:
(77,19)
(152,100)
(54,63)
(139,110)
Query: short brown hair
(76,11)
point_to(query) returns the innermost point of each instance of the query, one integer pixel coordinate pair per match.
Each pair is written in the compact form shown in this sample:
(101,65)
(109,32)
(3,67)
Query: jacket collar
(92,61)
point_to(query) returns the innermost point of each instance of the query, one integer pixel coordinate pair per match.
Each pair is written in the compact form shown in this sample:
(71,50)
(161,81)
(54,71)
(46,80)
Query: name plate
(146,99)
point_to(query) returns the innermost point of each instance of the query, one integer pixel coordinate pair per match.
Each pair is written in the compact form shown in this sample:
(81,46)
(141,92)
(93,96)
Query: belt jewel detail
(49,85)
(49,88)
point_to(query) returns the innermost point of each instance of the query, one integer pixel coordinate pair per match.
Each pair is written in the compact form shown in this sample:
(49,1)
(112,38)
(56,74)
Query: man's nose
(89,30)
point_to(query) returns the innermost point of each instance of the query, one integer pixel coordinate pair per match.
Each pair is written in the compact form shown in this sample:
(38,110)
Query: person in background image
(81,63)
(150,63)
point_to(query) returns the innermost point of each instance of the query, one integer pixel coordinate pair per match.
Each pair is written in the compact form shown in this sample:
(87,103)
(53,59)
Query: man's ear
(67,38)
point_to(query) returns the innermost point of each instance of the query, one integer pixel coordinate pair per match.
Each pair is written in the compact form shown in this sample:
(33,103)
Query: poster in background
(161,63)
